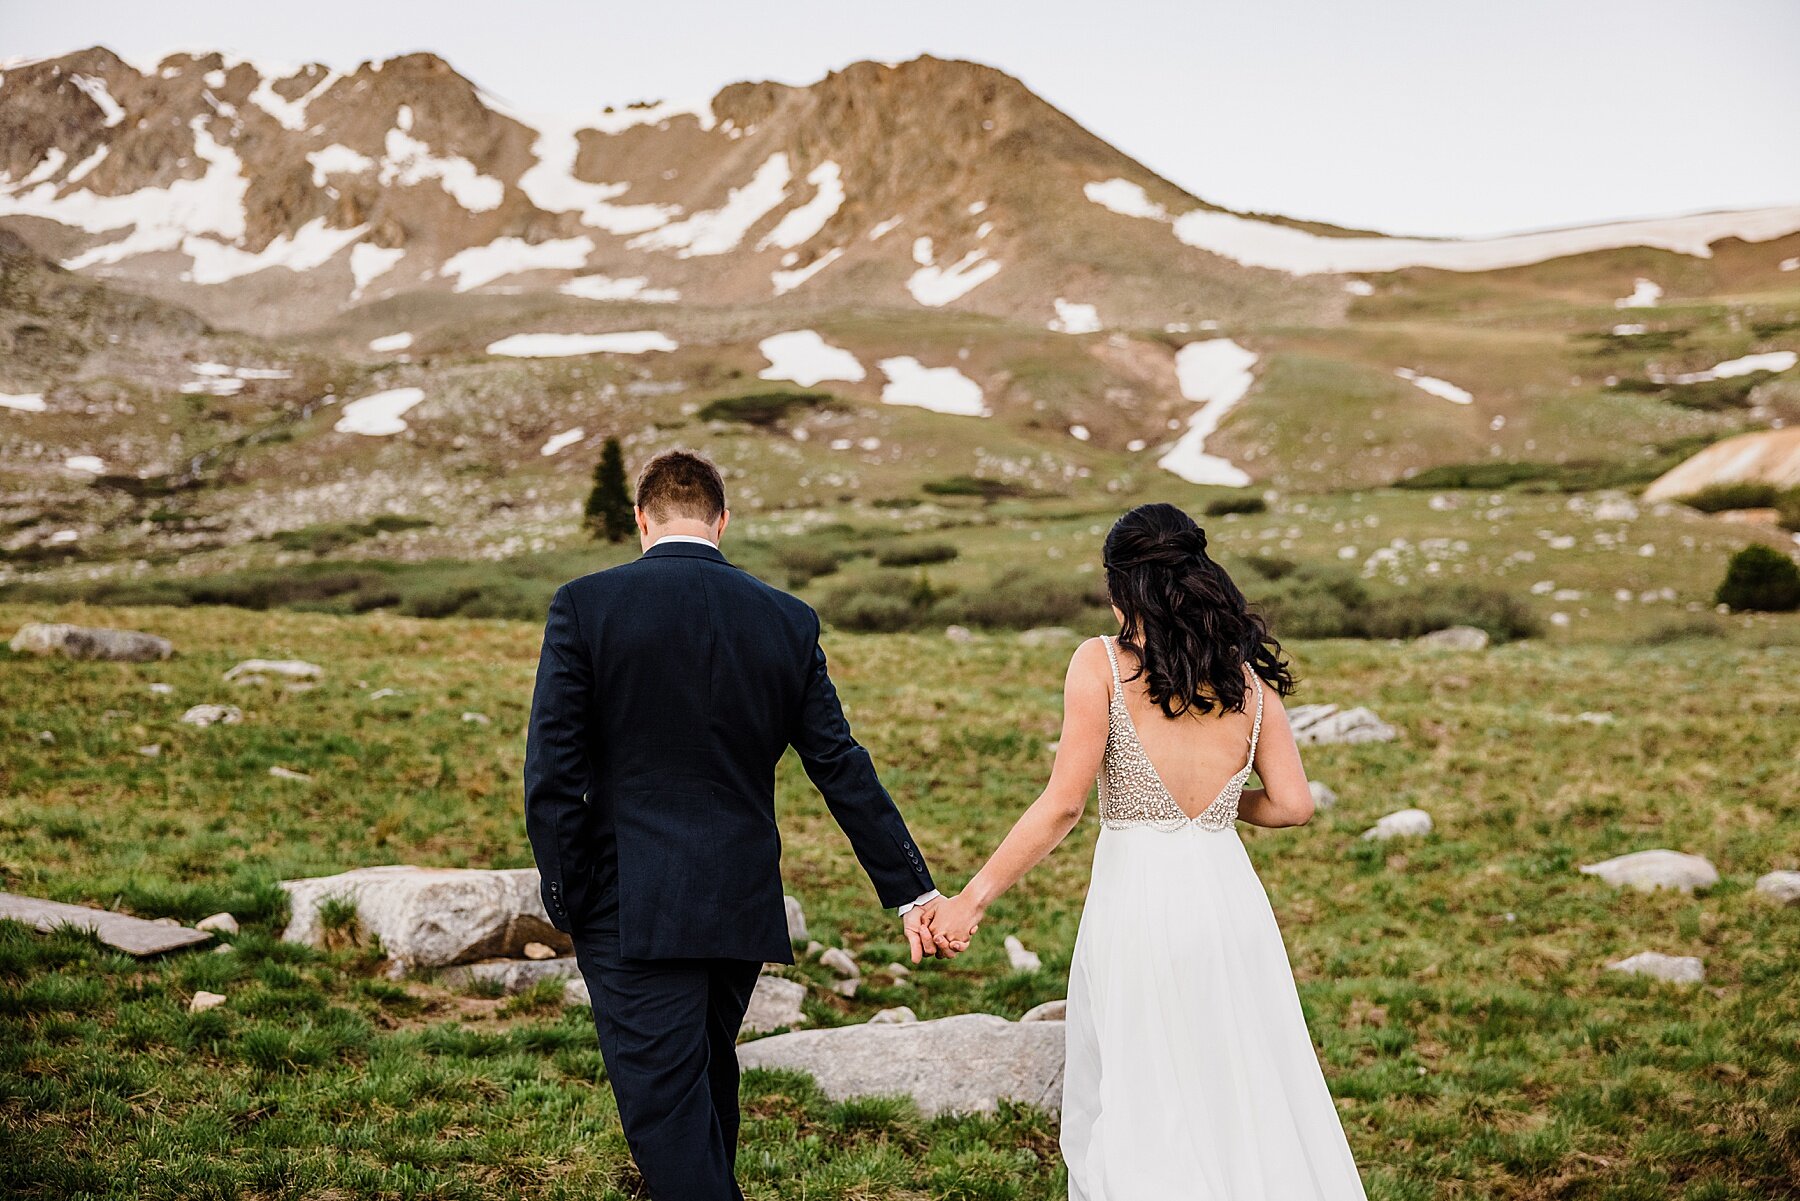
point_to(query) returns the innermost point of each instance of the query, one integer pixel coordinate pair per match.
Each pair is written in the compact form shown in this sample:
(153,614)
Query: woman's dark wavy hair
(1188,624)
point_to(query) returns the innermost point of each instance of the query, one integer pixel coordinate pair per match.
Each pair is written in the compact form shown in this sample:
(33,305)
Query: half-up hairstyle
(1188,624)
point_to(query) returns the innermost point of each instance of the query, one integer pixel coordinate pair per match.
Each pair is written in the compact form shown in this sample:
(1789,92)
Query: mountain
(241,300)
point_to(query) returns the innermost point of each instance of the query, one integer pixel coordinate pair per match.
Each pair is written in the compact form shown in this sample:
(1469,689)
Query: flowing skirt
(1191,1076)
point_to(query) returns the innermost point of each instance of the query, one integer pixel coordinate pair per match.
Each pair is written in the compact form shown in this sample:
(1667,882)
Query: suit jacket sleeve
(557,769)
(842,771)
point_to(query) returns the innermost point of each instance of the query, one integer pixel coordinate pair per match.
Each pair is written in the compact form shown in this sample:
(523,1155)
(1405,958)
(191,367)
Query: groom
(667,691)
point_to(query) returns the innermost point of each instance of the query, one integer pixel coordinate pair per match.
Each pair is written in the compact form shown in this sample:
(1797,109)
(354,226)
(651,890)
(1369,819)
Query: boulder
(963,1064)
(1047,636)
(203,1001)
(847,988)
(1049,1011)
(258,671)
(1780,887)
(1648,871)
(1454,638)
(1319,725)
(899,1015)
(775,1003)
(958,634)
(575,992)
(1021,959)
(512,975)
(1322,796)
(218,923)
(431,917)
(1405,823)
(84,642)
(537,950)
(213,715)
(841,962)
(796,920)
(1676,969)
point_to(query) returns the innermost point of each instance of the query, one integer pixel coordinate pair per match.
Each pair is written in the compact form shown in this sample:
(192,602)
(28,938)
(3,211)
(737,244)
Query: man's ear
(724,520)
(643,523)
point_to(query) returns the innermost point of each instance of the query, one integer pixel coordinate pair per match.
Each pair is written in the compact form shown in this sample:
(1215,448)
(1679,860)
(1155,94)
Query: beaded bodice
(1131,791)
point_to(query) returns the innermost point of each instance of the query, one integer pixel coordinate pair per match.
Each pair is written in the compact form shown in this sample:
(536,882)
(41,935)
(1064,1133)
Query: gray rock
(575,992)
(1021,959)
(258,671)
(135,935)
(218,923)
(1049,1011)
(84,642)
(477,719)
(847,988)
(796,920)
(775,1003)
(1648,871)
(964,1064)
(288,773)
(1406,823)
(1454,638)
(1676,969)
(1047,636)
(203,1001)
(1781,887)
(46,737)
(1322,796)
(213,715)
(1319,725)
(841,962)
(512,975)
(1615,507)
(898,971)
(958,634)
(814,949)
(431,917)
(899,1015)
(151,751)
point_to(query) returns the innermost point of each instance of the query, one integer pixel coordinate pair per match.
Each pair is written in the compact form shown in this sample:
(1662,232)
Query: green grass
(1473,1054)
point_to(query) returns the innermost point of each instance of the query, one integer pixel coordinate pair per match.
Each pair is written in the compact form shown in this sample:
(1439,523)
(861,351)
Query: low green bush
(918,554)
(803,562)
(1223,505)
(763,409)
(970,485)
(1760,579)
(1745,494)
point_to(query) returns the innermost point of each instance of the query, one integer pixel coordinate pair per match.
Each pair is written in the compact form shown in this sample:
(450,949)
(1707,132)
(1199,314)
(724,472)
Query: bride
(1190,1073)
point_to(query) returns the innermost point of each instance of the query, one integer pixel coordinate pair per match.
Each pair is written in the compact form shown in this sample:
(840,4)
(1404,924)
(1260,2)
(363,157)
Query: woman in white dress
(1191,1076)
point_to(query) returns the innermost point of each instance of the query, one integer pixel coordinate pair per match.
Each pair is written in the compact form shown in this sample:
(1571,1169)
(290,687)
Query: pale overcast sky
(1409,116)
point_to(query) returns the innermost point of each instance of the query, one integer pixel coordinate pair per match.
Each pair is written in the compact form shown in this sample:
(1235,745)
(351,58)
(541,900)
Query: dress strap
(1112,656)
(1255,726)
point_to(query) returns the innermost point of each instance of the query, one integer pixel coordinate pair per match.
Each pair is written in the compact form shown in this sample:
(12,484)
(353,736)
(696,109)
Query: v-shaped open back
(1132,792)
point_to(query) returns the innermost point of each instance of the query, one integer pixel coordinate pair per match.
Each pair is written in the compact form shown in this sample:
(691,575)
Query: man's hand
(951,925)
(918,931)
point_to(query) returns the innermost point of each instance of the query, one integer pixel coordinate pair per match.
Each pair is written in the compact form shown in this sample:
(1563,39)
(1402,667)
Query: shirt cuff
(933,895)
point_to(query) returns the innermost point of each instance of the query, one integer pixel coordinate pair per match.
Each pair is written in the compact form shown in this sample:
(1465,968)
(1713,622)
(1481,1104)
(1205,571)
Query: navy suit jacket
(667,691)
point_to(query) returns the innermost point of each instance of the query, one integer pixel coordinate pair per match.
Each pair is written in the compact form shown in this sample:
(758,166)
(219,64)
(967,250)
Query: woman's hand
(952,923)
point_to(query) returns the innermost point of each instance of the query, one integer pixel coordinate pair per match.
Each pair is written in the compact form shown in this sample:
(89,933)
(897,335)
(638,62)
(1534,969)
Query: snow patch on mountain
(480,265)
(289,114)
(940,389)
(934,286)
(1436,387)
(312,245)
(786,281)
(631,287)
(799,226)
(1750,364)
(409,161)
(369,262)
(1645,293)
(720,230)
(559,442)
(25,402)
(1217,374)
(803,357)
(550,183)
(337,159)
(1125,198)
(1072,318)
(379,415)
(95,89)
(389,343)
(557,346)
(91,464)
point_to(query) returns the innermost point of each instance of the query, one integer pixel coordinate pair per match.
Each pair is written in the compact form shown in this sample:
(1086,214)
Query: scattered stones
(82,642)
(899,1015)
(1615,507)
(381,694)
(1322,796)
(1648,871)
(512,975)
(963,1064)
(223,948)
(898,971)
(1319,725)
(775,1003)
(1454,638)
(958,634)
(841,962)
(814,949)
(120,930)
(1047,636)
(46,737)
(796,920)
(160,689)
(1676,969)
(288,773)
(1049,1011)
(218,923)
(847,988)
(151,751)
(537,950)
(431,917)
(258,671)
(204,1001)
(1021,959)
(213,715)
(477,719)
(1406,823)
(1780,887)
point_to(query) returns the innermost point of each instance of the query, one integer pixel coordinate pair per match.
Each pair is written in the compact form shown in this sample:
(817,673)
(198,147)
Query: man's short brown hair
(680,483)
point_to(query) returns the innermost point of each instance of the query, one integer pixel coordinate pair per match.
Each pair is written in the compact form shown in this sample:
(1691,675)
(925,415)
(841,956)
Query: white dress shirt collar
(684,538)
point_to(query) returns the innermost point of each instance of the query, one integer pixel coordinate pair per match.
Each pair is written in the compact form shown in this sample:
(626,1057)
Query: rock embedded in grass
(1322,796)
(1022,960)
(1404,823)
(1648,871)
(258,671)
(841,962)
(776,1002)
(212,715)
(84,642)
(510,975)
(1322,725)
(1676,969)
(958,634)
(203,1001)
(218,923)
(1047,636)
(1780,887)
(1049,1011)
(899,1015)
(796,920)
(1454,638)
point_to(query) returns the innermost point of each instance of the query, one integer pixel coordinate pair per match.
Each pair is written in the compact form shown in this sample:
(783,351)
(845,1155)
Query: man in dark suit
(667,691)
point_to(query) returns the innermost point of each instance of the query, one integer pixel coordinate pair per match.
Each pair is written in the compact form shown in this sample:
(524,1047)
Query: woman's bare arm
(1058,808)
(1284,799)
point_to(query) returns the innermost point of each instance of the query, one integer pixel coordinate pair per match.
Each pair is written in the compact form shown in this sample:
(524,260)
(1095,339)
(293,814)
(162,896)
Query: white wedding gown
(1191,1076)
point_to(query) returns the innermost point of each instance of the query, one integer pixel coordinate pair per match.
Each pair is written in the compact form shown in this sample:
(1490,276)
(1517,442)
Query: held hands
(951,925)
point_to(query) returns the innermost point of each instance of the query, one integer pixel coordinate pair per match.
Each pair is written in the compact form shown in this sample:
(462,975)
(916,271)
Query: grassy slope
(1474,1054)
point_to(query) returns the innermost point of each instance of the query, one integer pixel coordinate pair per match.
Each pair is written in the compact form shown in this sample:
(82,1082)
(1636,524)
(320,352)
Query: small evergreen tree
(1762,578)
(609,509)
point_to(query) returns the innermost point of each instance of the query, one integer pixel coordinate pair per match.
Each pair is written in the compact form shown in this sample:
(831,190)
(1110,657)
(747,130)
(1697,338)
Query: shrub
(1330,601)
(1744,494)
(806,561)
(970,485)
(610,512)
(917,555)
(1579,475)
(1221,506)
(1020,600)
(1682,629)
(1787,509)
(763,409)
(882,602)
(1760,578)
